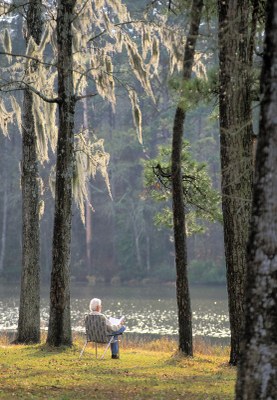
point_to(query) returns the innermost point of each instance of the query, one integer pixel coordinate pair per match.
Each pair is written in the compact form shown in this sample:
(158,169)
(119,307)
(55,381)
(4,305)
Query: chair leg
(108,345)
(96,350)
(83,349)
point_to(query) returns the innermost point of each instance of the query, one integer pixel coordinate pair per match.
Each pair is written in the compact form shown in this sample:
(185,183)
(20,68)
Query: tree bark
(257,373)
(29,309)
(182,287)
(236,141)
(59,330)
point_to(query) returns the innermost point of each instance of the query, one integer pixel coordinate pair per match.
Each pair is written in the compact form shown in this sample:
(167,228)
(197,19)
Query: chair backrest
(96,329)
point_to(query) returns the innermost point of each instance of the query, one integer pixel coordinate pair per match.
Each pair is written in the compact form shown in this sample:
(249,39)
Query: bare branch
(28,57)
(11,7)
(80,11)
(77,98)
(118,24)
(26,86)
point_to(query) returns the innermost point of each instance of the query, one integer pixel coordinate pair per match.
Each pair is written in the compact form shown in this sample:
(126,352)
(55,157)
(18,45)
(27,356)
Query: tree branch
(77,98)
(31,88)
(4,53)
(80,11)
(118,24)
(159,171)
(11,7)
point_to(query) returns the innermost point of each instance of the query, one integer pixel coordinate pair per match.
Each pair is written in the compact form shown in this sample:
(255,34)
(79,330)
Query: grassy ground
(145,371)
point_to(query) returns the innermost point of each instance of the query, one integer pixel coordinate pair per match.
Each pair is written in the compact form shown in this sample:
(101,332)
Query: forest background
(120,241)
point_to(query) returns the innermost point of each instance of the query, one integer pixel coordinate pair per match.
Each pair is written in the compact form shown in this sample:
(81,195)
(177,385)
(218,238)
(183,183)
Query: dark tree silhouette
(29,309)
(236,147)
(182,286)
(59,331)
(257,374)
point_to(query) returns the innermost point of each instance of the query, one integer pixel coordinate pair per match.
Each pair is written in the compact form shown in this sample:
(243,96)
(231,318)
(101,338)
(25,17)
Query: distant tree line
(135,251)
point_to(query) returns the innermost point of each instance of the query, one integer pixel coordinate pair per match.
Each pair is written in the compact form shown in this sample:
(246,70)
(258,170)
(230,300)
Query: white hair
(94,303)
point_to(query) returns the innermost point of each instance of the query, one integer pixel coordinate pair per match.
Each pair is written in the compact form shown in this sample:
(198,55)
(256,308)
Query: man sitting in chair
(95,309)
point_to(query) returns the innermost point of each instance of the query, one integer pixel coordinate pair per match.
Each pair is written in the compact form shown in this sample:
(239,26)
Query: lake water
(147,309)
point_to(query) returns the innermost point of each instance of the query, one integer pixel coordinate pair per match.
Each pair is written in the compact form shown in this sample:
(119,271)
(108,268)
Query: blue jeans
(114,345)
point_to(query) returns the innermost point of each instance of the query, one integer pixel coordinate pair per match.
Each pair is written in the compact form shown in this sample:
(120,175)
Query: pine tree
(59,330)
(29,310)
(236,147)
(257,373)
(179,226)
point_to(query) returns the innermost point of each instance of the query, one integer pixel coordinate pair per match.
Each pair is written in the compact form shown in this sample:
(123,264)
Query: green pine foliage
(201,201)
(202,88)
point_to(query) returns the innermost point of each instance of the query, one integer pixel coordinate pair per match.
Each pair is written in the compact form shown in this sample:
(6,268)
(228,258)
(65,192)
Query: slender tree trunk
(59,331)
(236,141)
(113,230)
(88,204)
(257,373)
(4,227)
(88,235)
(137,235)
(4,222)
(29,309)
(182,287)
(148,252)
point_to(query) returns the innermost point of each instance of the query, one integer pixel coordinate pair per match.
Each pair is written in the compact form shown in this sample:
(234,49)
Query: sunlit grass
(150,370)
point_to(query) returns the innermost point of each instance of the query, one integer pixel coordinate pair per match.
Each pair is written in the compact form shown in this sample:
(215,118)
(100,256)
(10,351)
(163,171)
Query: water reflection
(148,310)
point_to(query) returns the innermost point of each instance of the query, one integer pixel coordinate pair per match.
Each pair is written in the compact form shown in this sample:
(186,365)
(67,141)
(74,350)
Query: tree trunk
(182,287)
(59,331)
(89,268)
(257,374)
(29,309)
(4,219)
(137,235)
(236,140)
(148,264)
(88,210)
(4,226)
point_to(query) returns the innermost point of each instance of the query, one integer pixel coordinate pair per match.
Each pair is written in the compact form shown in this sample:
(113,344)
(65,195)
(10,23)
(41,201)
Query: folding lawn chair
(97,332)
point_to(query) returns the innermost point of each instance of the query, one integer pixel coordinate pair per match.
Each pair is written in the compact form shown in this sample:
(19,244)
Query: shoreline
(137,337)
